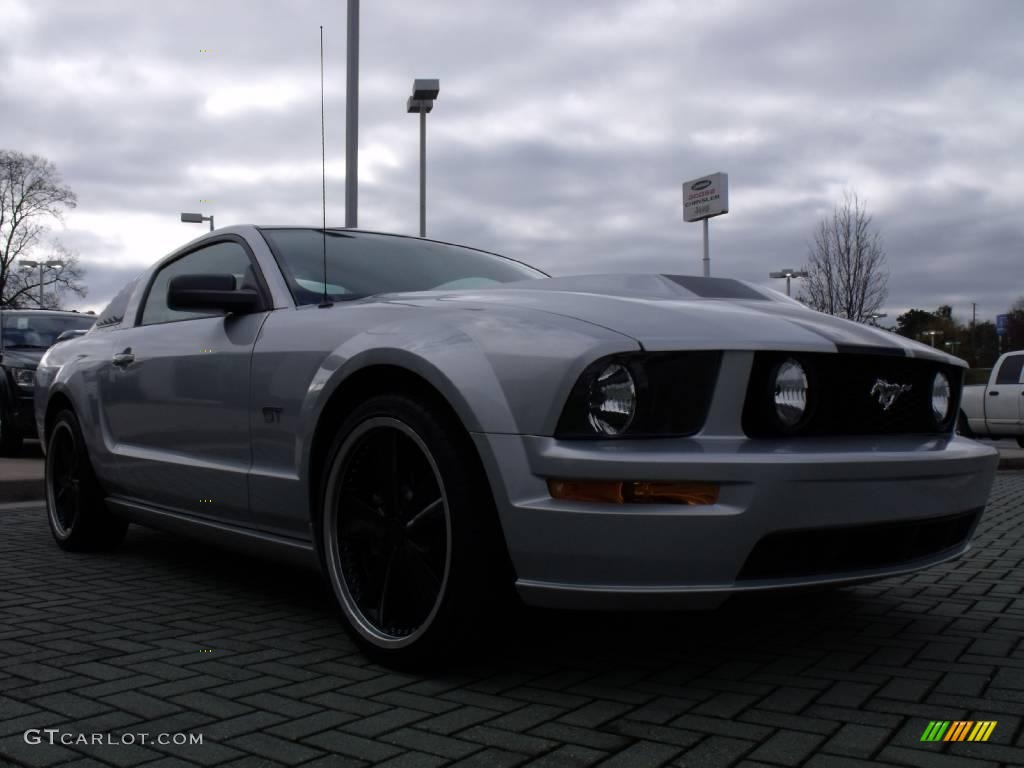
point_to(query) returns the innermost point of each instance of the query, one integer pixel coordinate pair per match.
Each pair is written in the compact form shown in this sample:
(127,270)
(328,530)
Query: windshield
(38,331)
(363,264)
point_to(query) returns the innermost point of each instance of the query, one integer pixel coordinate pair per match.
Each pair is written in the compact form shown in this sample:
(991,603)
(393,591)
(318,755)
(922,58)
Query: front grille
(840,399)
(853,548)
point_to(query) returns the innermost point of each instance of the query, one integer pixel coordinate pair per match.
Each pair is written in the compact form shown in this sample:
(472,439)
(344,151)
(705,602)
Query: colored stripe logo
(958,730)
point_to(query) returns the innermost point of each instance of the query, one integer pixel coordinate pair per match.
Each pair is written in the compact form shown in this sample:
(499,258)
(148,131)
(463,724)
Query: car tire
(10,440)
(1020,442)
(78,517)
(408,533)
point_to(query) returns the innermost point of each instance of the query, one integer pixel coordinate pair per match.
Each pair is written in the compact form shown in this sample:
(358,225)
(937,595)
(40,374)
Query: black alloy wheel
(79,520)
(406,532)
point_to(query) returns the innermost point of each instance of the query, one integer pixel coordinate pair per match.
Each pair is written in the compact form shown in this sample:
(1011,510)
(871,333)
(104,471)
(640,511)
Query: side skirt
(246,540)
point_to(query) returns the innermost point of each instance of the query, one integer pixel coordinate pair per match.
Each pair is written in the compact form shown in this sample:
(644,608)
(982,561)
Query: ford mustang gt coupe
(435,426)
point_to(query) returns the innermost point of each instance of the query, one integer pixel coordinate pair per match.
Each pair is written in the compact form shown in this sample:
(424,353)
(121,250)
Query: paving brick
(456,720)
(526,717)
(788,699)
(491,758)
(569,756)
(265,745)
(642,754)
(715,752)
(857,740)
(507,740)
(787,748)
(432,743)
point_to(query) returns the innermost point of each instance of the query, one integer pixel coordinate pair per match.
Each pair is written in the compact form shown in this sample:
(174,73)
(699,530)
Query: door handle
(993,394)
(122,359)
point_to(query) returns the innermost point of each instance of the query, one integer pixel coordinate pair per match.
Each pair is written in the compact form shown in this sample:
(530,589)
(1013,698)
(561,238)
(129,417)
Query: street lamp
(873,317)
(41,265)
(933,334)
(788,274)
(197,218)
(422,101)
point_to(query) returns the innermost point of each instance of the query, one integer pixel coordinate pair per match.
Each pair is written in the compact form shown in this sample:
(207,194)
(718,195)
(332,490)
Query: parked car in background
(435,425)
(25,334)
(996,409)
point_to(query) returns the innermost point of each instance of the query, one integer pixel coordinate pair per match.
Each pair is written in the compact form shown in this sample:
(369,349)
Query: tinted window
(31,330)
(217,259)
(363,264)
(1009,371)
(114,313)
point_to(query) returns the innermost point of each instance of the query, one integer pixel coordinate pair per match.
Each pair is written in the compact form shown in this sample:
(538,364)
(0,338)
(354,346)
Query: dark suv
(25,334)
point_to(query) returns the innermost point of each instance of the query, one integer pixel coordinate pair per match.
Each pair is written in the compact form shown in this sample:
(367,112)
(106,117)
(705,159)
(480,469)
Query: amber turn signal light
(633,492)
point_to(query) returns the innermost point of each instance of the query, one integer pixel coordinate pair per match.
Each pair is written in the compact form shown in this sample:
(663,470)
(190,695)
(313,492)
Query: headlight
(641,394)
(611,401)
(940,397)
(24,377)
(790,392)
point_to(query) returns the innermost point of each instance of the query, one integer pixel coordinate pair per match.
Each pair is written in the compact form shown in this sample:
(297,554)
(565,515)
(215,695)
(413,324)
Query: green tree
(914,322)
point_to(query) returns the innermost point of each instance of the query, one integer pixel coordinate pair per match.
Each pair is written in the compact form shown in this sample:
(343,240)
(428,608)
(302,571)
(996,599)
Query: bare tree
(32,195)
(846,264)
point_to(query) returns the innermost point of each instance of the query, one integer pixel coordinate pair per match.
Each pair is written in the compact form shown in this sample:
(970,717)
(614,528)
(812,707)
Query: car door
(1004,399)
(178,394)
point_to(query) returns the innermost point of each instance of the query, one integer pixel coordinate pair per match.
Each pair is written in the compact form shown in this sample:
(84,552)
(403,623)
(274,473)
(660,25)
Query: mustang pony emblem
(887,393)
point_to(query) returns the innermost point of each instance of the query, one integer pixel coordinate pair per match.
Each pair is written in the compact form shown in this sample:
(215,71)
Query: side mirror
(72,334)
(190,293)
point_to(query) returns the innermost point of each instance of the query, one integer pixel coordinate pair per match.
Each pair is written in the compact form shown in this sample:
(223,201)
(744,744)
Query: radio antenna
(323,167)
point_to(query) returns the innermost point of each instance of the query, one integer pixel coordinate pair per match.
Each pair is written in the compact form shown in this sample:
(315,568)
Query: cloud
(561,135)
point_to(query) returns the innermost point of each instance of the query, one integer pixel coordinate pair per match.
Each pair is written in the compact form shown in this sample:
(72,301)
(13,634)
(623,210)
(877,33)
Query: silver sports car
(433,425)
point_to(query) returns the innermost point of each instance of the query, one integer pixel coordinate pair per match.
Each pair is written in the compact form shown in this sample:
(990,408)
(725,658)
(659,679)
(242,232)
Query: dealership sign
(706,197)
(1002,323)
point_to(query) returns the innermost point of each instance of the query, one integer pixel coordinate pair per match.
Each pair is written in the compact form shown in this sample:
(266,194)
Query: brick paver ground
(169,636)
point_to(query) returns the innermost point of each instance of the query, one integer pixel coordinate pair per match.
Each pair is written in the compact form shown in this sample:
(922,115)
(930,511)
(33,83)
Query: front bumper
(926,492)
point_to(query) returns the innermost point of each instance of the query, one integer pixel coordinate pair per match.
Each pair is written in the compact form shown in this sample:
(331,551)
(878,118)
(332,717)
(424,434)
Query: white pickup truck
(996,409)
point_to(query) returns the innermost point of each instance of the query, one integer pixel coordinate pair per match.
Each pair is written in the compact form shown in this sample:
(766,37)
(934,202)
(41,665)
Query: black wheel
(10,440)
(1020,442)
(79,519)
(407,532)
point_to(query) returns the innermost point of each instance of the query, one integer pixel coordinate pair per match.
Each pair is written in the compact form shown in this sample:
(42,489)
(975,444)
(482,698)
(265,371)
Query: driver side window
(226,257)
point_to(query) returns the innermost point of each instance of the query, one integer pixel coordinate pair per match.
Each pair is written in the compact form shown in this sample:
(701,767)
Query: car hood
(668,312)
(22,358)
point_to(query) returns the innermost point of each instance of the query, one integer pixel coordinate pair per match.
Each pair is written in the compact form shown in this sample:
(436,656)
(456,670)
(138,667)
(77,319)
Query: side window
(1009,371)
(217,259)
(114,313)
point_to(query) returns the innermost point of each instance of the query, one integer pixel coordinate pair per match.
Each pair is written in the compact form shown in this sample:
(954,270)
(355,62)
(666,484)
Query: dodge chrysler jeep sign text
(706,197)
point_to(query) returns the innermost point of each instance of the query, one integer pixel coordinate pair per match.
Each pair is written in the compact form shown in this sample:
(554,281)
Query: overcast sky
(561,135)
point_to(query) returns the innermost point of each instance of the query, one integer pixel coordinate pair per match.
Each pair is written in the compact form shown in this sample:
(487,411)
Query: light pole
(873,317)
(197,218)
(352,117)
(933,334)
(41,265)
(422,101)
(788,274)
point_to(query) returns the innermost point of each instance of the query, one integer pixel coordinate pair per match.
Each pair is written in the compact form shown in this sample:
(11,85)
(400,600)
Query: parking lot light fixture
(197,218)
(788,274)
(424,91)
(41,265)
